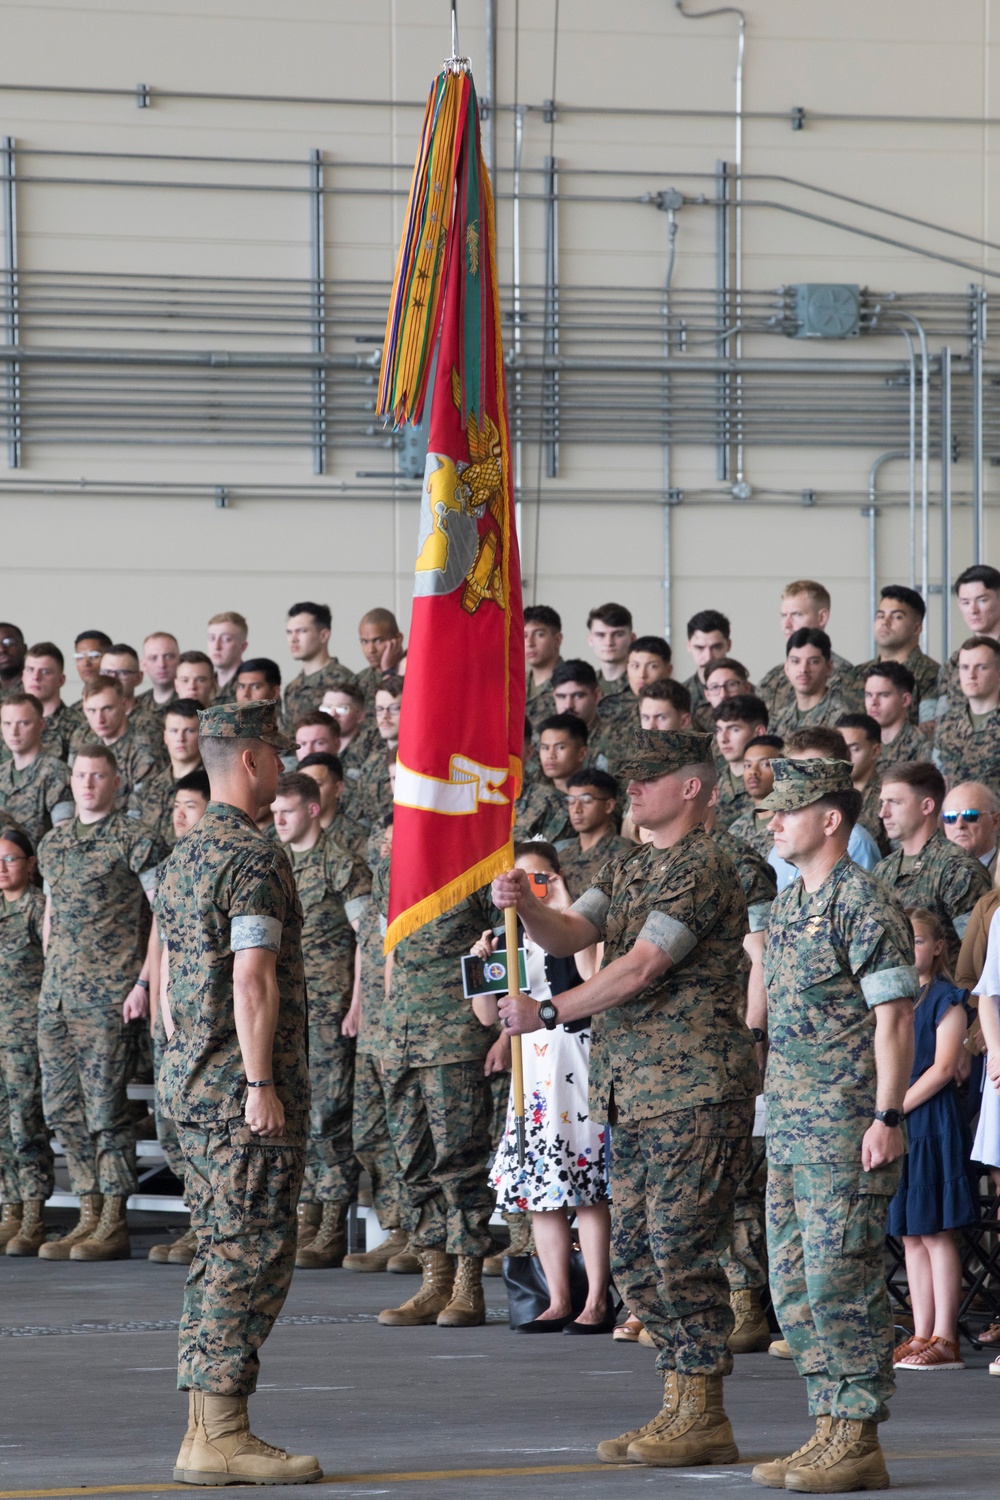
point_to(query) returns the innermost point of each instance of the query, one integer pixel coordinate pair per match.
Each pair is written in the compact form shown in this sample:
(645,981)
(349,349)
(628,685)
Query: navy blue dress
(934,1192)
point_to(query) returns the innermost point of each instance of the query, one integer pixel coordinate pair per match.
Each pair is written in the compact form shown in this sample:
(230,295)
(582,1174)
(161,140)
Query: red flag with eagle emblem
(461,733)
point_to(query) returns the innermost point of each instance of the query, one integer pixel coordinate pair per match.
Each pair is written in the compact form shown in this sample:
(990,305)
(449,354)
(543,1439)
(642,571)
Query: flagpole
(516,1061)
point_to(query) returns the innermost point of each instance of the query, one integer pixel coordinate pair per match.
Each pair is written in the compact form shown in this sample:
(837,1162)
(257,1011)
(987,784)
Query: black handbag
(528,1290)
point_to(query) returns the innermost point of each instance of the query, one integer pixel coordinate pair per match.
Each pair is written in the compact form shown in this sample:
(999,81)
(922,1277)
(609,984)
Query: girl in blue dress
(934,1194)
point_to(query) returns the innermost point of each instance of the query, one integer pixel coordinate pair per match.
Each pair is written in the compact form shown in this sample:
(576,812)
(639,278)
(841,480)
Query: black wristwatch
(548,1015)
(757,1034)
(890,1117)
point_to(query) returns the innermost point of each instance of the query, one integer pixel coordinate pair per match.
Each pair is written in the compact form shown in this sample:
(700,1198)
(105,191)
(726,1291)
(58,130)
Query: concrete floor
(89,1405)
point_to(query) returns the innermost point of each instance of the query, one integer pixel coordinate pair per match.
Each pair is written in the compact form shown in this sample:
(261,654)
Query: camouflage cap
(798,783)
(658,752)
(244,721)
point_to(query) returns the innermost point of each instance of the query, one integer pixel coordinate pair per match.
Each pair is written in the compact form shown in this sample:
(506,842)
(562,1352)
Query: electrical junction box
(826,310)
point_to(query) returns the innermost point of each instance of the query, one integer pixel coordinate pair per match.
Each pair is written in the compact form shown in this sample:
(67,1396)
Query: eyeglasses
(79,655)
(585,799)
(120,672)
(342,708)
(968,815)
(11,640)
(12,859)
(391,712)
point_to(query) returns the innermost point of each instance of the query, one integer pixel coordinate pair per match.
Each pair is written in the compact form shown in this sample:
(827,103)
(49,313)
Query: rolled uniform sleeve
(666,933)
(881,959)
(257,912)
(594,905)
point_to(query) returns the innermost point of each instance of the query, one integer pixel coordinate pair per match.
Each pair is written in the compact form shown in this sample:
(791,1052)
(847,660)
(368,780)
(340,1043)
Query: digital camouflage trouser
(84,1099)
(332,1169)
(673,1183)
(826,1245)
(166,1130)
(439,1119)
(745,1259)
(242,1192)
(373,1143)
(25,1154)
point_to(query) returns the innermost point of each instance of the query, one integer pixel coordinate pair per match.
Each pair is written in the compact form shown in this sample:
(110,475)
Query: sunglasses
(968,815)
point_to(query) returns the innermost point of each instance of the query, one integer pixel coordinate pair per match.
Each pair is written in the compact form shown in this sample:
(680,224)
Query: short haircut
(975,641)
(194,781)
(382,619)
(154,635)
(902,595)
(18,837)
(317,719)
(742,708)
(601,781)
(120,648)
(979,573)
(47,648)
(19,699)
(848,804)
(830,742)
(231,617)
(392,684)
(731,665)
(895,672)
(542,614)
(570,724)
(769,741)
(706,772)
(870,728)
(298,784)
(922,775)
(667,690)
(350,690)
(182,708)
(103,640)
(219,754)
(574,670)
(101,685)
(320,613)
(333,763)
(809,636)
(542,849)
(268,669)
(195,659)
(615,615)
(817,593)
(95,750)
(707,620)
(652,645)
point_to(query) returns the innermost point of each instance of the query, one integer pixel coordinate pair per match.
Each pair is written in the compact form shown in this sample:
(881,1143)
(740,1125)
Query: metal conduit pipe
(883,458)
(945,503)
(925,381)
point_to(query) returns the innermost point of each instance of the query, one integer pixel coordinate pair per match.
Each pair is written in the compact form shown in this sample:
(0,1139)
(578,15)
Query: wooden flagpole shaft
(516,1064)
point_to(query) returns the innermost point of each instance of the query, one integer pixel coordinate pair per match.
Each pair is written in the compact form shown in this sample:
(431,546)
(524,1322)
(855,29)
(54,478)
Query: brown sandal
(937,1354)
(907,1347)
(629,1331)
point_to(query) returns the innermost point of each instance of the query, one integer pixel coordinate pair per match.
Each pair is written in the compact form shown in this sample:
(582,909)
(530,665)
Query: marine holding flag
(458,766)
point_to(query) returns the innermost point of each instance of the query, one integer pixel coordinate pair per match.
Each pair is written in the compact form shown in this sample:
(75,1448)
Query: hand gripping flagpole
(516,1059)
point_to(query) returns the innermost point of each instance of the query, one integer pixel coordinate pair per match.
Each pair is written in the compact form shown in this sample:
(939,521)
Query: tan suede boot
(109,1240)
(328,1246)
(308,1216)
(379,1258)
(31,1236)
(522,1240)
(432,1298)
(781,1349)
(772,1475)
(90,1214)
(699,1434)
(405,1262)
(616,1450)
(225,1451)
(851,1460)
(159,1253)
(194,1417)
(752,1335)
(467,1307)
(184,1248)
(10,1221)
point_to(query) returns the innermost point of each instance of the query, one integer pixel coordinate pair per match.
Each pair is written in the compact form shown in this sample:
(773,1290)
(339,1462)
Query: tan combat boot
(432,1298)
(616,1450)
(772,1475)
(699,1434)
(851,1460)
(90,1214)
(109,1240)
(10,1221)
(225,1451)
(379,1258)
(329,1245)
(194,1417)
(31,1236)
(405,1262)
(184,1249)
(308,1216)
(522,1240)
(751,1335)
(467,1306)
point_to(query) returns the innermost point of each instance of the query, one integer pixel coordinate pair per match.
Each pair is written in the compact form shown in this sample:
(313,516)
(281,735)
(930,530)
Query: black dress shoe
(605,1327)
(545,1325)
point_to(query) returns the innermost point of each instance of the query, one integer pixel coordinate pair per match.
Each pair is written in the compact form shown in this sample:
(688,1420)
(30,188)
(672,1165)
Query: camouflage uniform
(926,672)
(613,688)
(146,718)
(137,757)
(964,751)
(59,729)
(750,829)
(909,744)
(778,693)
(346,831)
(944,879)
(25,1155)
(948,689)
(869,814)
(788,717)
(540,702)
(674,1072)
(541,813)
(366,739)
(437,1100)
(701,709)
(832,956)
(226,888)
(733,797)
(333,886)
(609,737)
(580,866)
(37,796)
(96,876)
(152,803)
(372,1141)
(368,799)
(227,694)
(304,694)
